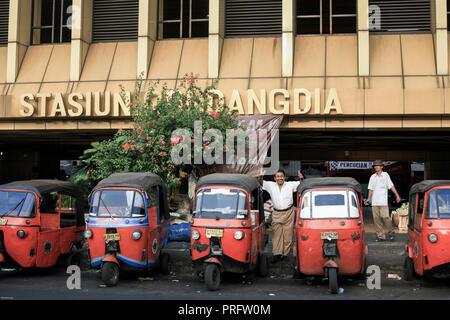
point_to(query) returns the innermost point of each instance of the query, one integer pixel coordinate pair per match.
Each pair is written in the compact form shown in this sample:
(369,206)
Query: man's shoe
(276,258)
(379,239)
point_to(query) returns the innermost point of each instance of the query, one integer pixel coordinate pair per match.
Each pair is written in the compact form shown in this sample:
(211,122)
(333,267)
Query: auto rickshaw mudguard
(2,258)
(110,258)
(213,260)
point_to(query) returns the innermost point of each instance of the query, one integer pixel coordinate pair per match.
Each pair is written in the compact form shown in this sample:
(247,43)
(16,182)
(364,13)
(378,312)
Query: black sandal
(379,239)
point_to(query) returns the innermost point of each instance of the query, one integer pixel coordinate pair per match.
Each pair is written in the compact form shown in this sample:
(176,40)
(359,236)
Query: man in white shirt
(379,184)
(283,212)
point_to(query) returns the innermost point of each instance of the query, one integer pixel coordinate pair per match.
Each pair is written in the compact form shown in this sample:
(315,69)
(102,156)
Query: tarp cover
(45,186)
(426,185)
(329,182)
(244,181)
(140,180)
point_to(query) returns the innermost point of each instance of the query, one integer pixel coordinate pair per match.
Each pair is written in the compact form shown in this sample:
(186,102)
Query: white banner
(350,165)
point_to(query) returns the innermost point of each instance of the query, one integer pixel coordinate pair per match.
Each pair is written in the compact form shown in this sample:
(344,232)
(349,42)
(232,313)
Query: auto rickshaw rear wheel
(212,277)
(110,273)
(164,263)
(263,265)
(408,269)
(332,280)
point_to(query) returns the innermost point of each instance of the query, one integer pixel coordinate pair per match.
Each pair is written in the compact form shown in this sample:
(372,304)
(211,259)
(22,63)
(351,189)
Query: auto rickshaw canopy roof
(45,186)
(244,181)
(426,185)
(42,186)
(139,180)
(344,182)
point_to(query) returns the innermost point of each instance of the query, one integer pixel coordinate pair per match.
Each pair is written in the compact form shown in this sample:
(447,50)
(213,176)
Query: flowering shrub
(156,115)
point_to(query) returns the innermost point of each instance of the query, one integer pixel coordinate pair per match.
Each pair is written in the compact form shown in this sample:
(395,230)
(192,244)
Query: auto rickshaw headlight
(21,234)
(238,235)
(195,234)
(432,237)
(136,235)
(88,233)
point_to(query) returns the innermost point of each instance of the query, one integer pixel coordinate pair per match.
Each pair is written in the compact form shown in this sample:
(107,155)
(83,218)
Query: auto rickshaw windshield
(438,204)
(326,204)
(17,204)
(221,203)
(117,203)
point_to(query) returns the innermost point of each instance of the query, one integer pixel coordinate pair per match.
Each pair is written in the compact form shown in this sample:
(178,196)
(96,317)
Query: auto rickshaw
(41,224)
(428,247)
(228,229)
(128,225)
(329,231)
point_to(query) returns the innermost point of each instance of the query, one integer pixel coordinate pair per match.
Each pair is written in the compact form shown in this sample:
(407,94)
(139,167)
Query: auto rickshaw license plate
(111,236)
(3,222)
(329,235)
(214,232)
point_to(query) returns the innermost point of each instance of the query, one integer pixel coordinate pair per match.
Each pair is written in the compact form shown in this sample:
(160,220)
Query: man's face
(378,168)
(279,178)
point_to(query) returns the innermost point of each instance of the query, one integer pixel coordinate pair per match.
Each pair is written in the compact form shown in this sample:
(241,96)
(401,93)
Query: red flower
(149,138)
(175,140)
(126,146)
(214,114)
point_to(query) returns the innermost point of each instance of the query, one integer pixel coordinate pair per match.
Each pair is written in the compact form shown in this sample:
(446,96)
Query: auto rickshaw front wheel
(408,269)
(263,265)
(110,273)
(332,280)
(212,277)
(164,263)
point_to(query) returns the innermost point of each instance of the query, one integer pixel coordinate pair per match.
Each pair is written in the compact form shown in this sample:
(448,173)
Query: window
(117,203)
(17,204)
(115,20)
(412,210)
(419,211)
(50,21)
(438,206)
(218,203)
(328,204)
(4,20)
(399,16)
(253,18)
(326,16)
(183,18)
(68,211)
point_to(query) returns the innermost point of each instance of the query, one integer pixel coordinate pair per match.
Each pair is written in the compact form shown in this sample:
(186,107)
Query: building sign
(349,165)
(299,101)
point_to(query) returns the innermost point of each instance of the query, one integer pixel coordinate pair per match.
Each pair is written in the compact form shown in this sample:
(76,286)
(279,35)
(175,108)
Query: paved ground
(183,285)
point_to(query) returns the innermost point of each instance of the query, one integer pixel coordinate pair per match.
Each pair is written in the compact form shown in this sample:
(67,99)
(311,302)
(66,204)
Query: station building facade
(355,80)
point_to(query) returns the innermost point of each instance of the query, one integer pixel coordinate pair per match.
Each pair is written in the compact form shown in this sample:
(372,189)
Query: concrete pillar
(216,36)
(18,36)
(288,37)
(363,37)
(439,30)
(82,13)
(148,21)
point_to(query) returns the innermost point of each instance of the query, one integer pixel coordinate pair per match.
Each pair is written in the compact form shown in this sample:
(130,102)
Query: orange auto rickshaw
(128,225)
(329,231)
(228,229)
(41,224)
(428,247)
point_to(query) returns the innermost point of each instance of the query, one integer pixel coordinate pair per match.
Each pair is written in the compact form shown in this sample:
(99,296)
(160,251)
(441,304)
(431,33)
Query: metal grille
(4,19)
(115,20)
(400,16)
(253,18)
